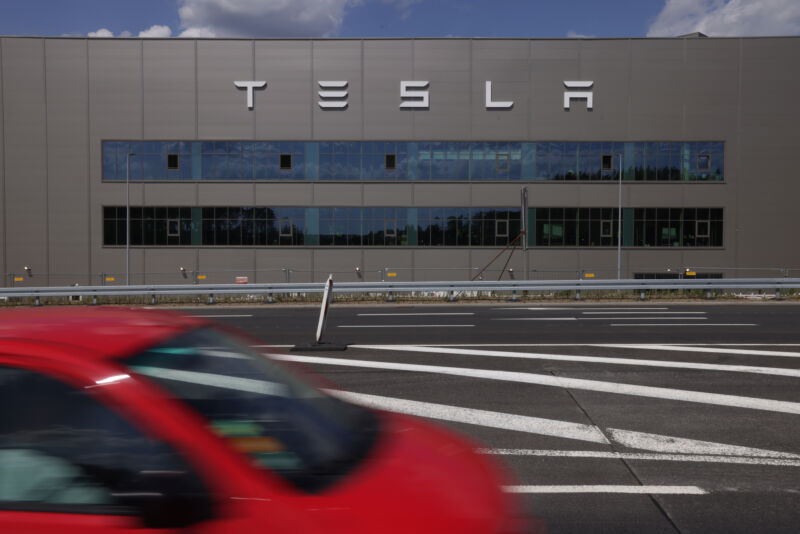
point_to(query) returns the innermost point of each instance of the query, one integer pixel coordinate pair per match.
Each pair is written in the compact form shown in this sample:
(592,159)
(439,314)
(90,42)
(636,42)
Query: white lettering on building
(414,95)
(490,104)
(578,95)
(250,85)
(333,95)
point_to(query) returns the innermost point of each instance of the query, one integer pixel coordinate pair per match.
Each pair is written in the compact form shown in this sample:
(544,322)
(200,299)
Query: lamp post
(128,220)
(619,220)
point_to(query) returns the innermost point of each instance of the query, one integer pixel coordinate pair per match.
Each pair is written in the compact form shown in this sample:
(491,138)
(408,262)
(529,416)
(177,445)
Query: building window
(173,162)
(607,162)
(703,162)
(286,162)
(390,162)
(501,163)
(702,229)
(285,227)
(390,228)
(606,228)
(173,228)
(501,229)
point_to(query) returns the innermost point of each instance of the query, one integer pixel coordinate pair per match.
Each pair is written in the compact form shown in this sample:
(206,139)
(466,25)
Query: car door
(69,464)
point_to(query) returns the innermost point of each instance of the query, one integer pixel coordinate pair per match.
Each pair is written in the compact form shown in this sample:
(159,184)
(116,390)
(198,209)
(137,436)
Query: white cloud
(261,18)
(156,31)
(576,35)
(727,18)
(102,32)
(198,32)
(125,33)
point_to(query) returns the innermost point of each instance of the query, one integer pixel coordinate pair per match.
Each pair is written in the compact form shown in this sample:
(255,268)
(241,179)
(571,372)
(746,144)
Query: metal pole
(128,220)
(619,220)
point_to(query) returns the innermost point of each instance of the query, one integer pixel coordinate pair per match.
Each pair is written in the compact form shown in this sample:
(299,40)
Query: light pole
(128,220)
(619,219)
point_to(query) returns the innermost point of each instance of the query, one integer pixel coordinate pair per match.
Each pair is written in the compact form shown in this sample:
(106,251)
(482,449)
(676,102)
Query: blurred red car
(120,420)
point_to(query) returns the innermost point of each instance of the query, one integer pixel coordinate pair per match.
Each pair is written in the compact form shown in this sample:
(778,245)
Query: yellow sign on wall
(201,277)
(691,273)
(391,274)
(18,279)
(110,278)
(589,275)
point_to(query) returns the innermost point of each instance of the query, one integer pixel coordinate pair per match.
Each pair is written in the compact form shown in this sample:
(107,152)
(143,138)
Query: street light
(128,220)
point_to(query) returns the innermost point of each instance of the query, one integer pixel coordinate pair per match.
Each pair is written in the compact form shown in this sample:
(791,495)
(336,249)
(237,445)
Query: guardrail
(511,286)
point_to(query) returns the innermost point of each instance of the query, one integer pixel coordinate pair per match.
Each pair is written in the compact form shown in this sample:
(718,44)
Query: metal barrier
(511,286)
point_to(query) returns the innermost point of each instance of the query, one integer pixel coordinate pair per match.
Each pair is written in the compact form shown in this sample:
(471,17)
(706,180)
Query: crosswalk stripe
(682,395)
(776,371)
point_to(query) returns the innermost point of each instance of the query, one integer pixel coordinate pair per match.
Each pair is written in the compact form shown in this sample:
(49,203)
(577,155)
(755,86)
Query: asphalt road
(611,417)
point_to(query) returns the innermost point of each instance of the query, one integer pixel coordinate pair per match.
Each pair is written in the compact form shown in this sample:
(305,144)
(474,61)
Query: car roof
(103,331)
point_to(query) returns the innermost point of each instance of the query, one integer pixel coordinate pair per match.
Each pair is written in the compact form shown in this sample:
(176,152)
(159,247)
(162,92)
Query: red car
(120,420)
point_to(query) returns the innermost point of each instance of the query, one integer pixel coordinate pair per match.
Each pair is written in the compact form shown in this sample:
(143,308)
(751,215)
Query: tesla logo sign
(333,95)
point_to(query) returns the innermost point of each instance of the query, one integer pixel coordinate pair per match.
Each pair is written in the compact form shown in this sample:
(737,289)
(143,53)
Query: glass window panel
(109,162)
(234,166)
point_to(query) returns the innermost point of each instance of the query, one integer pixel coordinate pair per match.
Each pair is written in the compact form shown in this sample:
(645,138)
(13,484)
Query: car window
(63,450)
(305,436)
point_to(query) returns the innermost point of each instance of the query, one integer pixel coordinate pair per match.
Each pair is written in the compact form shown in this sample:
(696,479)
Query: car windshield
(283,424)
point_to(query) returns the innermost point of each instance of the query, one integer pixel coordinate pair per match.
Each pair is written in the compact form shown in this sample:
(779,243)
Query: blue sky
(398,18)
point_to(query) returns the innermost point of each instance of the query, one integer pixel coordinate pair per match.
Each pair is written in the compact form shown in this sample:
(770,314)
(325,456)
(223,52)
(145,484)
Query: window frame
(288,221)
(387,158)
(502,157)
(390,231)
(177,165)
(603,166)
(177,223)
(697,227)
(603,223)
(281,166)
(707,168)
(497,224)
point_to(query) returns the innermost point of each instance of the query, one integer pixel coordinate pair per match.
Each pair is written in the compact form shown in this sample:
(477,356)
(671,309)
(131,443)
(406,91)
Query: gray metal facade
(61,97)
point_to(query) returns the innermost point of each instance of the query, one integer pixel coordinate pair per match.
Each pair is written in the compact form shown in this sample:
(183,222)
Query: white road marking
(777,371)
(534,319)
(217,316)
(506,421)
(717,399)
(615,318)
(643,312)
(579,308)
(638,490)
(271,346)
(556,428)
(619,345)
(642,456)
(409,314)
(405,326)
(671,444)
(650,318)
(682,324)
(685,348)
